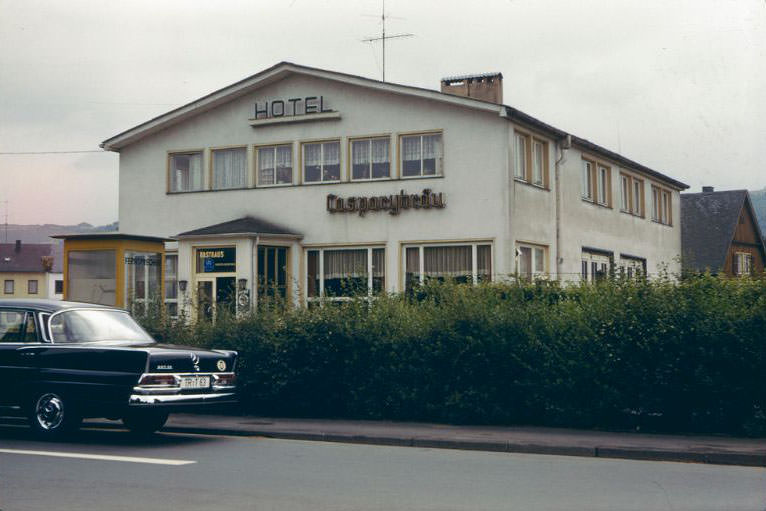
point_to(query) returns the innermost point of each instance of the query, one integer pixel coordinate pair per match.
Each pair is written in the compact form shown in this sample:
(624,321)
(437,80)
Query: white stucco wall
(484,202)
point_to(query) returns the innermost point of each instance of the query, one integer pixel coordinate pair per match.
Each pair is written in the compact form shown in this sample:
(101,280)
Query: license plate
(195,382)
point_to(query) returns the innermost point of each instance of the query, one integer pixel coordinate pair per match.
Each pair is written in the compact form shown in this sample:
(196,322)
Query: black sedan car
(63,361)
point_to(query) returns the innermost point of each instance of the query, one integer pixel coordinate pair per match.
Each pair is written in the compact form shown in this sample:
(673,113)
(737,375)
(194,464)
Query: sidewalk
(567,442)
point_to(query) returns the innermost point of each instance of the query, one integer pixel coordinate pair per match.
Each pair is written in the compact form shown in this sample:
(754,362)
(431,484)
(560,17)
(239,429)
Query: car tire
(144,422)
(51,415)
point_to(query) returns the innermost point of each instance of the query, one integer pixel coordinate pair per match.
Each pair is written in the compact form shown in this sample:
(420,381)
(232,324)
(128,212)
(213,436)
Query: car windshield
(96,325)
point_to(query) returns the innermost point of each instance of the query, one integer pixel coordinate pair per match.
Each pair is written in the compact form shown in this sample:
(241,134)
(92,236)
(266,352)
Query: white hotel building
(297,181)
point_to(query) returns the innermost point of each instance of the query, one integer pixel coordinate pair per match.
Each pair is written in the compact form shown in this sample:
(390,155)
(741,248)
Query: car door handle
(30,352)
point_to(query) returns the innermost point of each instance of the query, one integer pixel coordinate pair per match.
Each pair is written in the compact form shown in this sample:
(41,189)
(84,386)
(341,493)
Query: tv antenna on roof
(5,202)
(383,37)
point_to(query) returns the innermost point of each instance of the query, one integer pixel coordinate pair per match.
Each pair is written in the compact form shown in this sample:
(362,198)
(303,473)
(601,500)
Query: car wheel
(52,415)
(144,422)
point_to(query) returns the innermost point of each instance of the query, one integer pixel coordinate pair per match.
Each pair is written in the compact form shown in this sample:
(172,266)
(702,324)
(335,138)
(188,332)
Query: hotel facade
(306,184)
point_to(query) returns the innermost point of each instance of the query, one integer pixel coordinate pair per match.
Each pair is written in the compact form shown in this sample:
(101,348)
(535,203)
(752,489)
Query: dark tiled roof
(708,221)
(30,257)
(244,225)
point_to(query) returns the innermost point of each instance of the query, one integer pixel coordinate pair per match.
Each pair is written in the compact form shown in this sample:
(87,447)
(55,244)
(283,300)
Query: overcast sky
(679,86)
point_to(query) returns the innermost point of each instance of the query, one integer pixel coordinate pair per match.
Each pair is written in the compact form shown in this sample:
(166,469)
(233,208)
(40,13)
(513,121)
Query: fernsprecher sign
(391,203)
(290,107)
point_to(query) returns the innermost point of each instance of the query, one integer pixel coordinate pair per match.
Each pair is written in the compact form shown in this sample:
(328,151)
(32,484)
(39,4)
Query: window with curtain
(321,162)
(370,159)
(531,260)
(229,168)
(422,155)
(587,180)
(171,284)
(442,262)
(595,265)
(661,205)
(538,163)
(32,287)
(345,273)
(624,193)
(603,185)
(275,165)
(520,167)
(186,172)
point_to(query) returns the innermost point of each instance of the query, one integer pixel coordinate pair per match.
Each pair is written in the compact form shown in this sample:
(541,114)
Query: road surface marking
(102,457)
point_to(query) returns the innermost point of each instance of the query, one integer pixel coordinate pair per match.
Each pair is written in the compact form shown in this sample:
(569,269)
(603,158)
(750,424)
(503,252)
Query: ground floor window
(531,260)
(142,277)
(92,276)
(342,273)
(272,273)
(595,265)
(58,287)
(742,263)
(631,267)
(469,263)
(171,284)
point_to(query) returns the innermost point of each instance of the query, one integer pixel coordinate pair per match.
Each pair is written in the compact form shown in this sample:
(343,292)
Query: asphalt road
(110,470)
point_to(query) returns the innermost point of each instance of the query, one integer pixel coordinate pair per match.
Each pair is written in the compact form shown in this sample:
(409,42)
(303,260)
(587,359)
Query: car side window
(30,331)
(11,325)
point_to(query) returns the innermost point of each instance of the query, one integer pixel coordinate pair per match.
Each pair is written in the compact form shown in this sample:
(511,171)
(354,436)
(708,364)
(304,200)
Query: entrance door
(205,294)
(215,294)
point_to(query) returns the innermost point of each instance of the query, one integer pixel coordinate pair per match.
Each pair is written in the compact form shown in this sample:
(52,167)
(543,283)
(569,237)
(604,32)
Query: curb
(712,458)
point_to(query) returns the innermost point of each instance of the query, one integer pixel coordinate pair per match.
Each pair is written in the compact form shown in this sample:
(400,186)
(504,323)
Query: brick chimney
(708,189)
(485,86)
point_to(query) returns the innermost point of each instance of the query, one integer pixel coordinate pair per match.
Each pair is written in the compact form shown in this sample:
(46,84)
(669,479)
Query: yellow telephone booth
(116,269)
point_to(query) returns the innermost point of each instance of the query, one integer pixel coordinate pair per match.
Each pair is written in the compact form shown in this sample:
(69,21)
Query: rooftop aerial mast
(383,38)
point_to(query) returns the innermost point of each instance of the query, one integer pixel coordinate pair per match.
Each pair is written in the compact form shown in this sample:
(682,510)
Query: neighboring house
(30,270)
(305,183)
(720,233)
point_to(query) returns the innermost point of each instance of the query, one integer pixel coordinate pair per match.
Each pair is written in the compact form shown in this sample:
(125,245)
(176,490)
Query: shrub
(657,355)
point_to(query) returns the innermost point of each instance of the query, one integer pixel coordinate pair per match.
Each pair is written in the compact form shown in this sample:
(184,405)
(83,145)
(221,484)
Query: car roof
(49,305)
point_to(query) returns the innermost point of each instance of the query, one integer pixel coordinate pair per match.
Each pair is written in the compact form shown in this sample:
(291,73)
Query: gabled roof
(31,257)
(246,226)
(283,69)
(708,223)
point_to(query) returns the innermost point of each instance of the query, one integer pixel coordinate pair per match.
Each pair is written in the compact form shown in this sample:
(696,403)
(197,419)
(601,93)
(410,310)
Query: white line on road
(103,457)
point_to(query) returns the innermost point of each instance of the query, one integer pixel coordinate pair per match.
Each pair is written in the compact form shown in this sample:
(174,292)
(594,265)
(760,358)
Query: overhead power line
(53,152)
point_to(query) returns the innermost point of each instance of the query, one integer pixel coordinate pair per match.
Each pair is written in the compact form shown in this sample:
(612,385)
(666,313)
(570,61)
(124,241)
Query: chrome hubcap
(49,411)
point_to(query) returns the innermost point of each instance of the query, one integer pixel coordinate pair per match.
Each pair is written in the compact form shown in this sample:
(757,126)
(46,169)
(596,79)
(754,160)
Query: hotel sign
(391,203)
(290,107)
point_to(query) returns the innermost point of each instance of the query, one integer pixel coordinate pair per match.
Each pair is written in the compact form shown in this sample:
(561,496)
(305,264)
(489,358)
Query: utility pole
(6,220)
(383,38)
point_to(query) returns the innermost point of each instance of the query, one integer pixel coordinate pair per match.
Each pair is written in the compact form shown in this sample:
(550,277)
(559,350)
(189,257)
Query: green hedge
(662,356)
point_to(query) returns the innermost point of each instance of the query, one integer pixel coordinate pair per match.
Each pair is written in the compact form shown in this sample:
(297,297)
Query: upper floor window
(275,165)
(8,287)
(422,155)
(631,195)
(370,159)
(603,186)
(229,168)
(587,180)
(32,287)
(531,162)
(186,172)
(321,162)
(661,206)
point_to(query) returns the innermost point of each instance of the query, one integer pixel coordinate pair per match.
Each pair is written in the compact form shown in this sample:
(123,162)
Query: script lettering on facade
(391,203)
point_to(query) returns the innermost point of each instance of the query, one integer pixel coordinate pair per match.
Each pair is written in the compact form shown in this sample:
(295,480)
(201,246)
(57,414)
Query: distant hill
(42,233)
(758,199)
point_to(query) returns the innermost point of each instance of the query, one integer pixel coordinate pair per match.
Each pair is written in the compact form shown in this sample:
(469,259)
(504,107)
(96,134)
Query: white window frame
(638,203)
(369,141)
(744,263)
(321,144)
(602,185)
(438,172)
(12,286)
(586,180)
(474,260)
(164,281)
(203,178)
(625,193)
(273,148)
(320,269)
(602,261)
(662,204)
(534,247)
(631,267)
(538,167)
(29,286)
(520,161)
